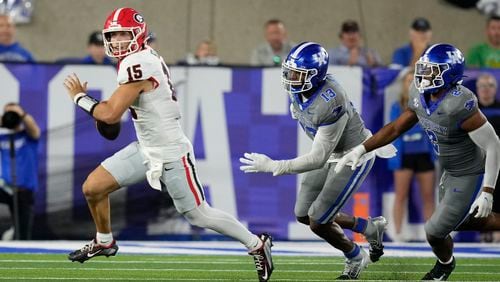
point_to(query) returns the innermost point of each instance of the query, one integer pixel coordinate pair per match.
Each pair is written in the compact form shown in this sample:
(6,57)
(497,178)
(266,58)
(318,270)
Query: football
(108,131)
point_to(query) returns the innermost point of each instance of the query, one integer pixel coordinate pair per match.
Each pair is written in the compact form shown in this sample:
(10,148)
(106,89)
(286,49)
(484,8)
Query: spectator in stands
(96,53)
(487,54)
(275,49)
(10,49)
(420,38)
(23,131)
(414,160)
(486,89)
(351,52)
(205,54)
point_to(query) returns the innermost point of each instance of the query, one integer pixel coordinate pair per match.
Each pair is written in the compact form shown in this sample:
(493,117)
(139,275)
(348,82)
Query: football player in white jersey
(163,154)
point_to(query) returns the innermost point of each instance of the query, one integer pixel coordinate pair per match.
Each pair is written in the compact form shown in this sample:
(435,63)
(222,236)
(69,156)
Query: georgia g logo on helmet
(138,18)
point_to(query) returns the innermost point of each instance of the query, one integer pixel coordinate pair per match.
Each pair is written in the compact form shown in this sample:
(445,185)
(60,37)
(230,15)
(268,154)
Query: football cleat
(440,272)
(353,267)
(375,239)
(93,249)
(263,259)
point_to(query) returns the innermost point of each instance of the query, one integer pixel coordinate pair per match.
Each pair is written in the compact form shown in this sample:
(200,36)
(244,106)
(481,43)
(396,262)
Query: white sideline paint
(234,248)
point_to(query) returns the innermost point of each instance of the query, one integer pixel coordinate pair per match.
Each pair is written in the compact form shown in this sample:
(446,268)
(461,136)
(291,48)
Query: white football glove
(255,162)
(483,203)
(351,157)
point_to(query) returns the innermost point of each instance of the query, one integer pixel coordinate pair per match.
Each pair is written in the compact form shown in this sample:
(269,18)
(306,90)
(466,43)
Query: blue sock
(353,253)
(360,225)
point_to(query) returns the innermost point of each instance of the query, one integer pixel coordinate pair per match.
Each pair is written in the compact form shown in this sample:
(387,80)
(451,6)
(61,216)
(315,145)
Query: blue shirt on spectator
(15,53)
(26,150)
(402,56)
(90,61)
(413,141)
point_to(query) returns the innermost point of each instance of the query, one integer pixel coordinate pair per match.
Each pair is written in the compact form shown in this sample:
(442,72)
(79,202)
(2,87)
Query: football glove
(483,203)
(352,157)
(255,162)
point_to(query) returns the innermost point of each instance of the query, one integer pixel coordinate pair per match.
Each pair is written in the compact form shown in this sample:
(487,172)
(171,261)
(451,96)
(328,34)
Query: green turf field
(29,267)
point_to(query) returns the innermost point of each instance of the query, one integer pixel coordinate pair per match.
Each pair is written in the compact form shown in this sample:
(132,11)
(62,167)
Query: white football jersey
(155,113)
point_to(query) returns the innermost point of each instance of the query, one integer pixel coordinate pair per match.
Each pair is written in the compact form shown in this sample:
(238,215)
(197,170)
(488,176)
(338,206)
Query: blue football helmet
(441,66)
(305,67)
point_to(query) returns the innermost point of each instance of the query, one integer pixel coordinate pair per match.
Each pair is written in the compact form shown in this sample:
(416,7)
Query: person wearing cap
(350,52)
(487,54)
(420,39)
(10,49)
(275,49)
(96,54)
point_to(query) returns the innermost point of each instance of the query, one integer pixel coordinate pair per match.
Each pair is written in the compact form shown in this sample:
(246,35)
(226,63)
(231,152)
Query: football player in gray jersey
(466,144)
(327,116)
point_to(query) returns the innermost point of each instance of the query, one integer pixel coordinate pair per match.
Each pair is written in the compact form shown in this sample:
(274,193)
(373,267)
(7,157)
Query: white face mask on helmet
(121,48)
(429,76)
(296,80)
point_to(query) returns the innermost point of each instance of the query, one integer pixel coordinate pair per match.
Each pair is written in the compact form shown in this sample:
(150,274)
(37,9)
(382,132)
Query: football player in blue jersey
(466,145)
(323,109)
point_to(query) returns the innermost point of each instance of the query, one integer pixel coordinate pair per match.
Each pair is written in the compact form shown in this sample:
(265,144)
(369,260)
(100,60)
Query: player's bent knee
(94,189)
(90,189)
(435,241)
(196,218)
(303,219)
(433,237)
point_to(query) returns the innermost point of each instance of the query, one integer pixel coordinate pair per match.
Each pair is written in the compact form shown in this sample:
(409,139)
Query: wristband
(77,97)
(87,103)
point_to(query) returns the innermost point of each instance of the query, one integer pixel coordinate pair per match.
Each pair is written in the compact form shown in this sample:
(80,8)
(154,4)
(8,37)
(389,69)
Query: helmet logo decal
(454,56)
(138,18)
(320,58)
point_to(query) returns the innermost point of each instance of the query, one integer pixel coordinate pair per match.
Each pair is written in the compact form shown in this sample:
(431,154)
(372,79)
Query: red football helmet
(129,20)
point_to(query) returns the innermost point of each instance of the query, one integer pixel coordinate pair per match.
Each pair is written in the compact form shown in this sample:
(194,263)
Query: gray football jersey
(441,120)
(325,107)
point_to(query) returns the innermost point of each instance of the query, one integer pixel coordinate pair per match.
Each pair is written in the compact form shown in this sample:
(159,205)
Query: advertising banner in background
(226,112)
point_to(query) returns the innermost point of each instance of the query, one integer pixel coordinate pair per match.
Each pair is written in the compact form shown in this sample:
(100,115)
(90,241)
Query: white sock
(104,238)
(254,244)
(448,262)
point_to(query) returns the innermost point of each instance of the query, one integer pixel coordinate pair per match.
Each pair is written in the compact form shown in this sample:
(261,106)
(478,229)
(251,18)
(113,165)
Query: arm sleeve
(324,143)
(487,140)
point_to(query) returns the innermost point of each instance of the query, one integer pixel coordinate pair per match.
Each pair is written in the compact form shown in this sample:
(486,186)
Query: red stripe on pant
(190,182)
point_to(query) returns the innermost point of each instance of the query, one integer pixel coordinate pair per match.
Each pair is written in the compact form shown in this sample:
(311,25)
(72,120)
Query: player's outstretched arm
(324,143)
(109,111)
(384,136)
(483,135)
